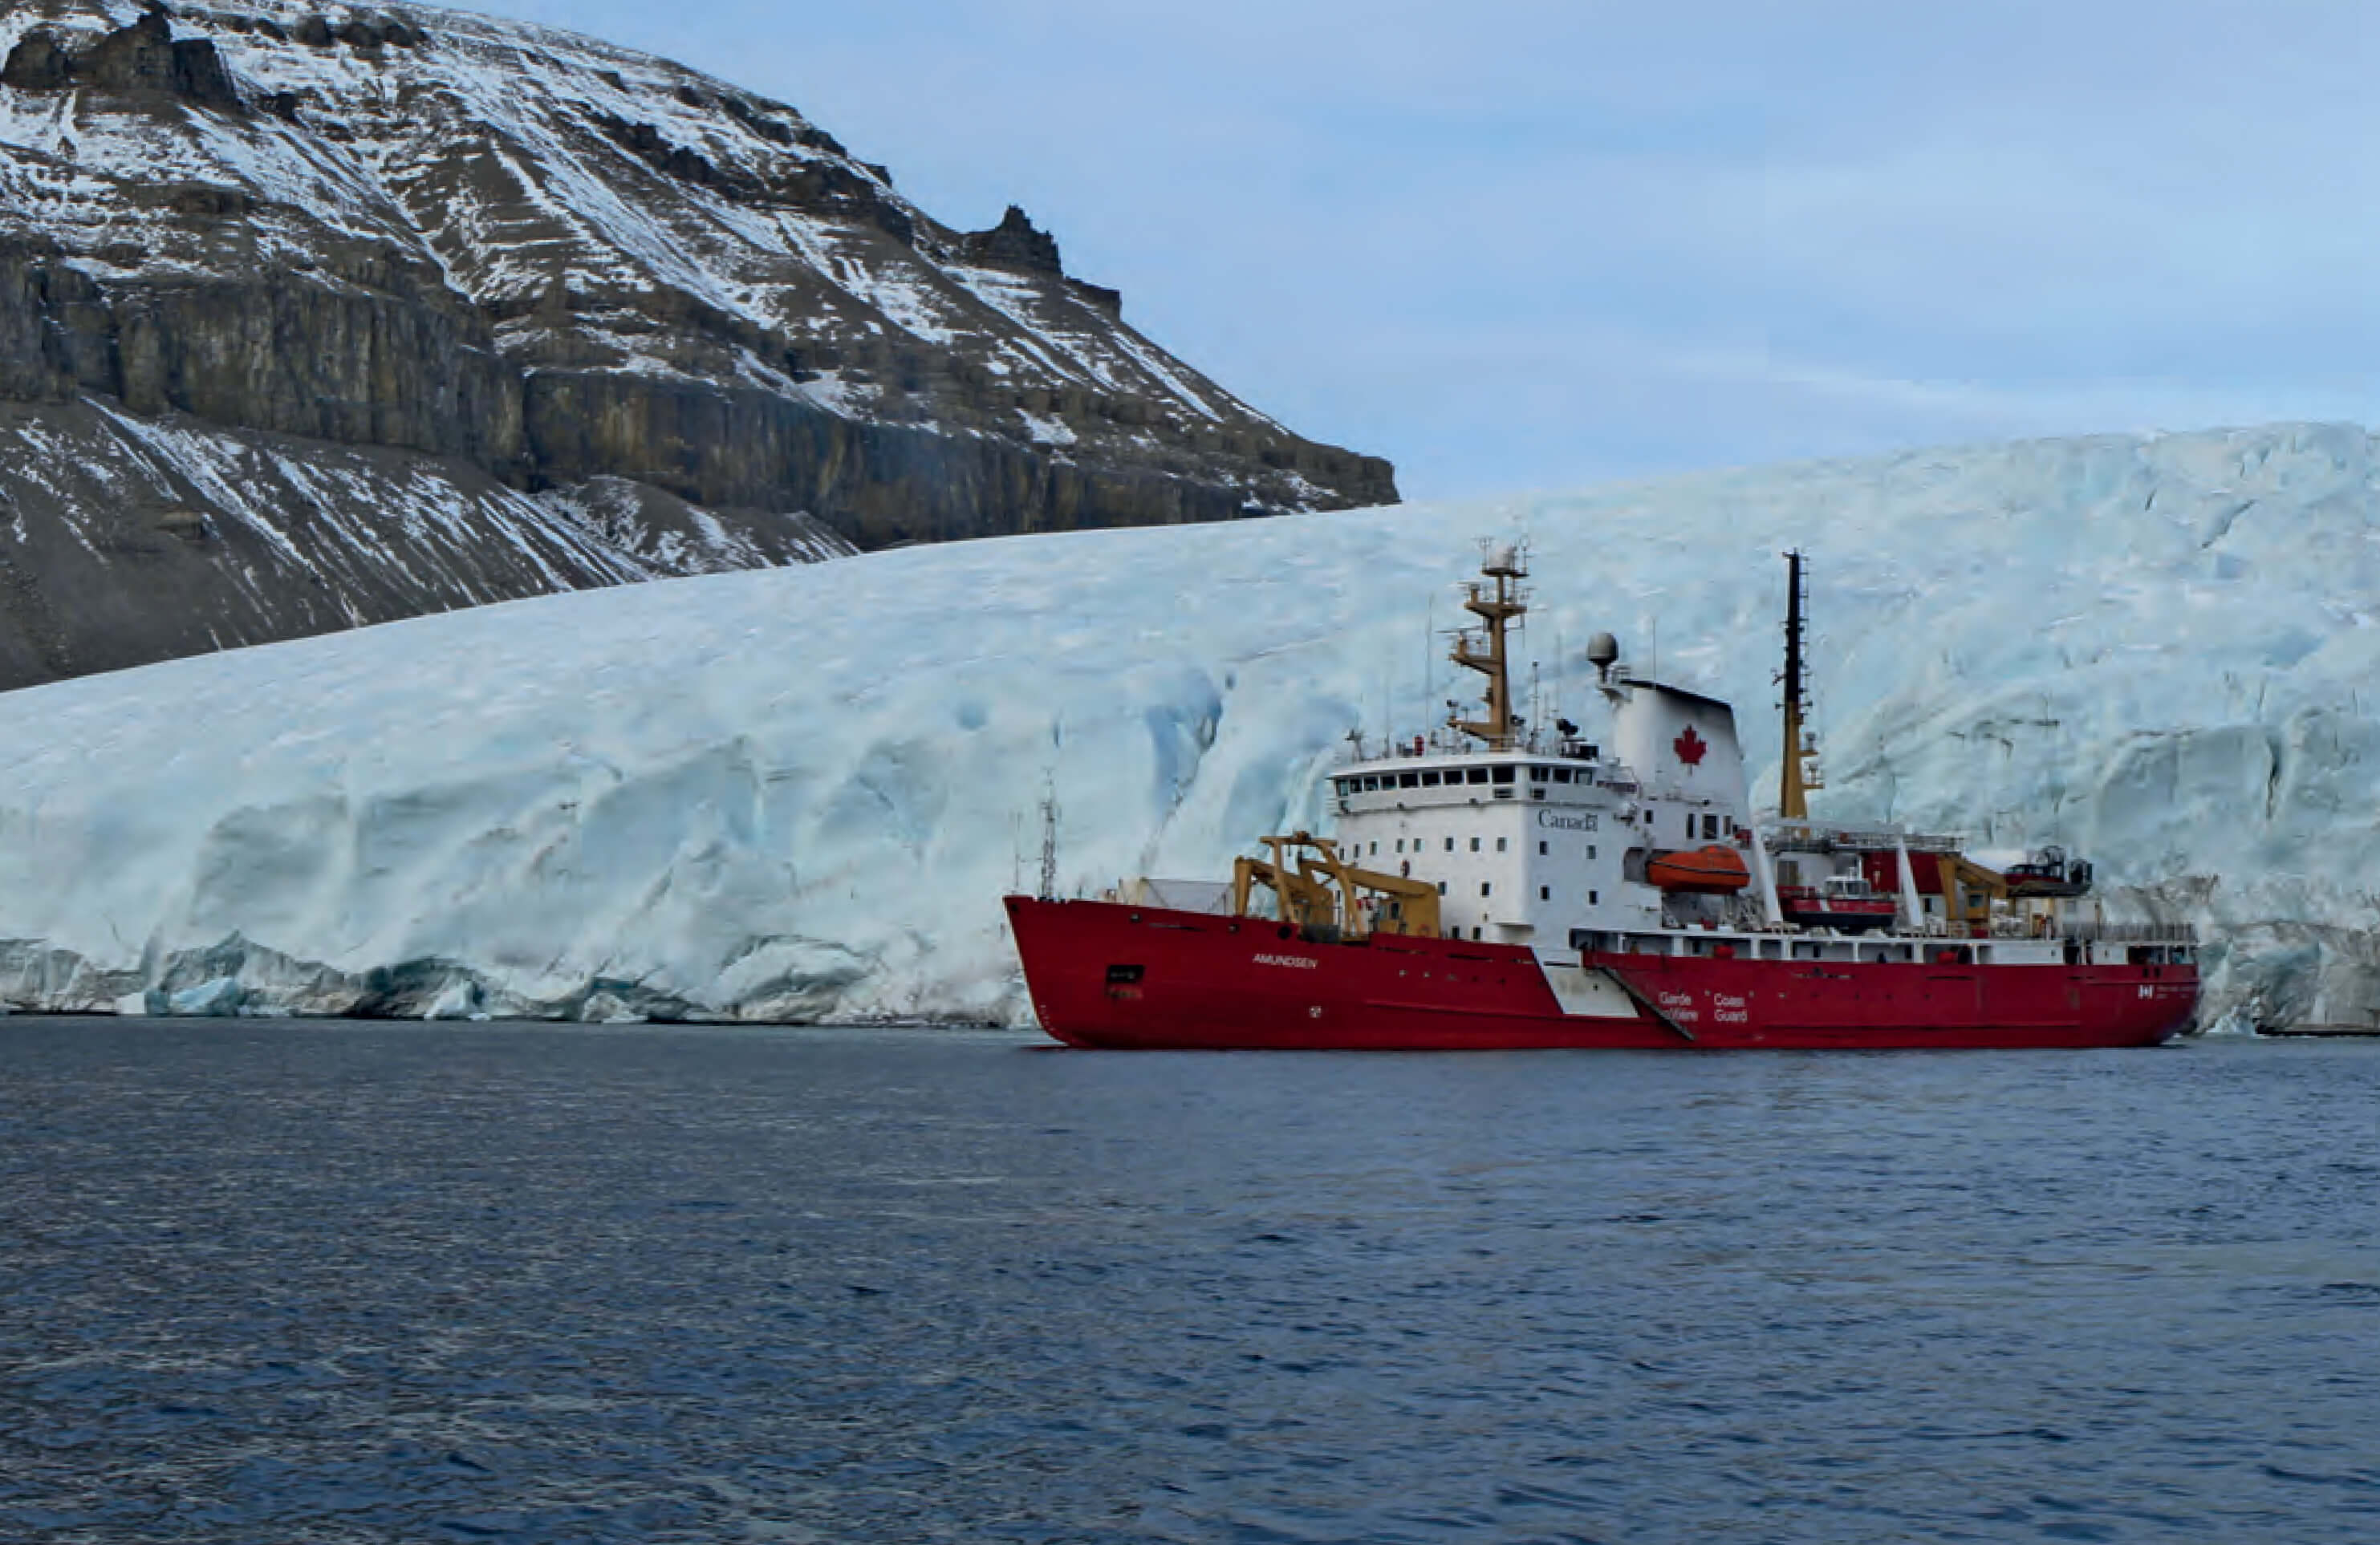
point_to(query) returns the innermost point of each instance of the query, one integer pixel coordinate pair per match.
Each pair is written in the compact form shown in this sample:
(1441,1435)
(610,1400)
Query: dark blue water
(269,1283)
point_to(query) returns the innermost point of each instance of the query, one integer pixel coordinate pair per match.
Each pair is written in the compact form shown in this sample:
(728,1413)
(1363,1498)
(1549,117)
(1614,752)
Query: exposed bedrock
(878,484)
(374,354)
(144,58)
(396,364)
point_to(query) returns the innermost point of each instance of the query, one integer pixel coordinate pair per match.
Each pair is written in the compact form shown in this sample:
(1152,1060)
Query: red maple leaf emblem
(1690,747)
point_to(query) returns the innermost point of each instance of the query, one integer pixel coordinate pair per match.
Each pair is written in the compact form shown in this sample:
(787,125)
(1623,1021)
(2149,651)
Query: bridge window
(1476,775)
(1538,775)
(1429,780)
(1504,774)
(1561,775)
(1408,781)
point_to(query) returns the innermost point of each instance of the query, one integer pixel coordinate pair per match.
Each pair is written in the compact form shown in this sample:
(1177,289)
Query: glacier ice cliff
(799,794)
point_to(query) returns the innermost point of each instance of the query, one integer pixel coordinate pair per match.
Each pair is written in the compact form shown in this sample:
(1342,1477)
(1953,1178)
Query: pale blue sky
(1539,244)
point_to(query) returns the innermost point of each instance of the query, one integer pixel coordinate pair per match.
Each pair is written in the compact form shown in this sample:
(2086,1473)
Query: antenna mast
(1048,892)
(1799,775)
(1428,653)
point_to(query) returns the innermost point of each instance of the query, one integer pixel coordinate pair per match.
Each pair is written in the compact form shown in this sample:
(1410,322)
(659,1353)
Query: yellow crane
(1315,887)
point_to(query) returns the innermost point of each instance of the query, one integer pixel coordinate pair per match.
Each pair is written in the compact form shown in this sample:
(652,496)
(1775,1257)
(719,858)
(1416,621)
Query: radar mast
(1495,598)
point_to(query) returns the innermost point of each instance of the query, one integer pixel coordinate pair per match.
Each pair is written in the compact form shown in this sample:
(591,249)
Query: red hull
(1105,974)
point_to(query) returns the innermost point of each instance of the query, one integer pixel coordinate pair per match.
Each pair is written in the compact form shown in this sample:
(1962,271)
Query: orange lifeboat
(1712,869)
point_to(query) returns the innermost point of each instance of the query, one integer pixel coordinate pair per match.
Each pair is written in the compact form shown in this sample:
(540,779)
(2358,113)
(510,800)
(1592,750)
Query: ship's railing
(1180,896)
(1530,743)
(1812,837)
(2130,933)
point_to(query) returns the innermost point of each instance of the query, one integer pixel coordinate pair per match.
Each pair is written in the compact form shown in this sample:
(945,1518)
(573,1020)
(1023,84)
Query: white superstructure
(1552,841)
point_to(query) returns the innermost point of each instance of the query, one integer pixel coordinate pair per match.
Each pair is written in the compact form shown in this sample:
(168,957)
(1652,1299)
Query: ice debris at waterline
(798,794)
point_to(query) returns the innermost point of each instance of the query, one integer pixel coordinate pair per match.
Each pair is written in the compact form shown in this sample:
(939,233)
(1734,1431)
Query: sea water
(329,1282)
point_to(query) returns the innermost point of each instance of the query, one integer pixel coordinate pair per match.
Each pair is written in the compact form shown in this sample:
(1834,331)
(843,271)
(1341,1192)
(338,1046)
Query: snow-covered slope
(801,793)
(125,539)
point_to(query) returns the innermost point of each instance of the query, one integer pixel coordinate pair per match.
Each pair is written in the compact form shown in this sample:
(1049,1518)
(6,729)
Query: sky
(1538,245)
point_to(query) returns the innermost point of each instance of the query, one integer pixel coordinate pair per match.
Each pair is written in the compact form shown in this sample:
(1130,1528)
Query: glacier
(799,794)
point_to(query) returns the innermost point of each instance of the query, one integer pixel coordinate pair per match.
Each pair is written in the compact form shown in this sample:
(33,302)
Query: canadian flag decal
(1690,747)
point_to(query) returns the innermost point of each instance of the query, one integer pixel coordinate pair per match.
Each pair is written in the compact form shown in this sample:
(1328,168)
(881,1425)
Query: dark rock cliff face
(142,57)
(359,351)
(514,266)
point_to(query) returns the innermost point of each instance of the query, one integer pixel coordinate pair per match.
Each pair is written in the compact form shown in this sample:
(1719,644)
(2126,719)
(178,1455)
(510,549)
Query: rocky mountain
(313,316)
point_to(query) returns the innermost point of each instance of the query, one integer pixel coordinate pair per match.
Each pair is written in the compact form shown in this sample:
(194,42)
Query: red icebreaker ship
(1492,887)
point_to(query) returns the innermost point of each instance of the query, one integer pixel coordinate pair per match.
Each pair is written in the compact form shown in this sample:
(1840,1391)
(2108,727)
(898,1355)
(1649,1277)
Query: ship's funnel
(1680,745)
